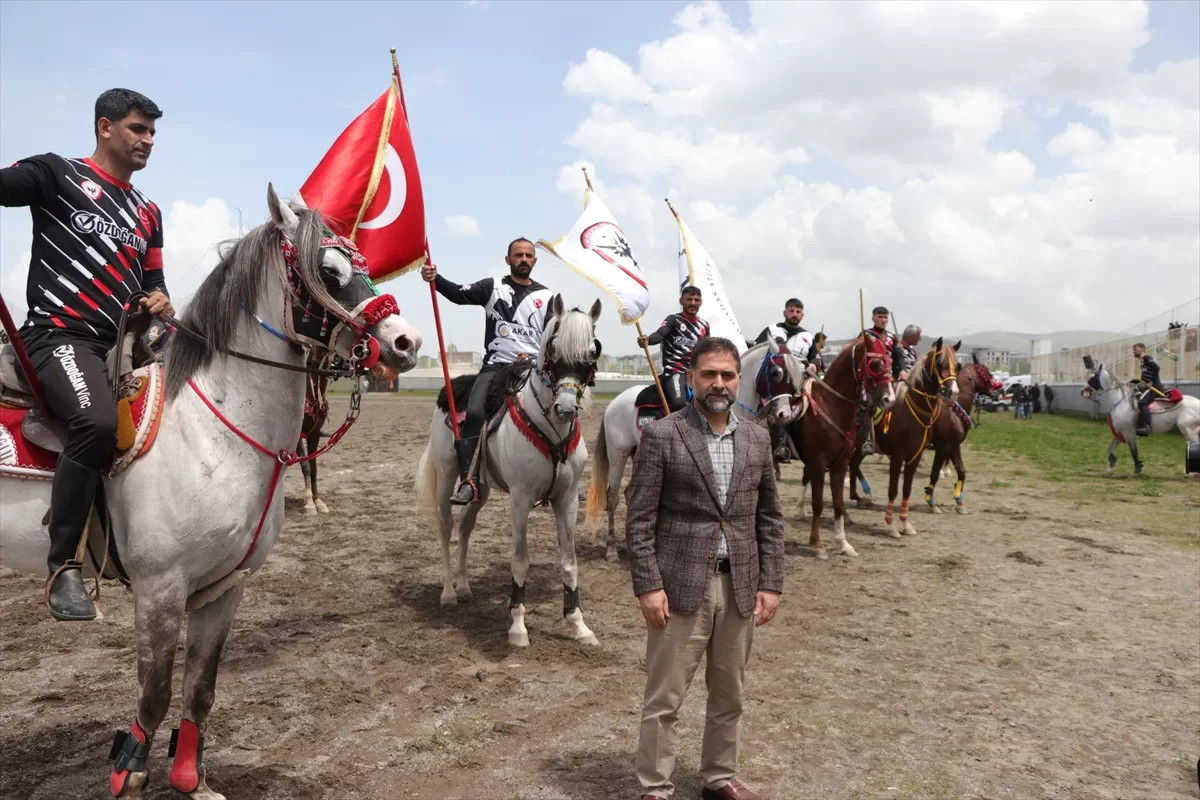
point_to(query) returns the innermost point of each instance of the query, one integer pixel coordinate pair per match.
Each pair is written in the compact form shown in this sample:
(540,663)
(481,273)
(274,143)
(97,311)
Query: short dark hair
(691,290)
(715,344)
(879,310)
(794,302)
(1139,344)
(117,104)
(508,252)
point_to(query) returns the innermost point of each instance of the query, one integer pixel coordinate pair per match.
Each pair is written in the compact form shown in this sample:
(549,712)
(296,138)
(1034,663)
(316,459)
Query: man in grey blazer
(705,536)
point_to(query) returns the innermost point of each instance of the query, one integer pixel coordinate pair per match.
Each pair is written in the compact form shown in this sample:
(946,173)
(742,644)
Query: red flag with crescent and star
(368,188)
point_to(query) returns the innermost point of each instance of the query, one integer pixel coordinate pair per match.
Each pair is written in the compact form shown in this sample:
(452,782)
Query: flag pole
(18,346)
(862,319)
(437,315)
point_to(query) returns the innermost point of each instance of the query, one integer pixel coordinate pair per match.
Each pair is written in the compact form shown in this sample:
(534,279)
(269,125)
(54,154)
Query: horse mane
(237,283)
(573,335)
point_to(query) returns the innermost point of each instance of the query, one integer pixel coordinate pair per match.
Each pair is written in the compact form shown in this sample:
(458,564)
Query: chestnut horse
(904,432)
(951,431)
(316,411)
(860,376)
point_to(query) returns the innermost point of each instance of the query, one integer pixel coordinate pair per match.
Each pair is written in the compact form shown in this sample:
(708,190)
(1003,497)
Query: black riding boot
(779,437)
(71,499)
(468,487)
(1144,428)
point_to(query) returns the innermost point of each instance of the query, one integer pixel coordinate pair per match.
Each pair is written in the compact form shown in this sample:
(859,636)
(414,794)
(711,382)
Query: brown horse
(904,432)
(951,431)
(860,377)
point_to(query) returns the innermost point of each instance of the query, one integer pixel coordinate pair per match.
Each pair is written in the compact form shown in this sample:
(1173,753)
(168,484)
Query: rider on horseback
(677,336)
(1150,387)
(96,242)
(803,346)
(879,329)
(904,354)
(518,308)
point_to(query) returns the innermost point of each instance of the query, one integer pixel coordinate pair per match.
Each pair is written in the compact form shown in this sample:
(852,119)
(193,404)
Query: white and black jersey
(515,318)
(96,241)
(798,340)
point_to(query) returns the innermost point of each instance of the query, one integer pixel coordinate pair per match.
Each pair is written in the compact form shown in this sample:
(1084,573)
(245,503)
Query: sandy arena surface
(1032,649)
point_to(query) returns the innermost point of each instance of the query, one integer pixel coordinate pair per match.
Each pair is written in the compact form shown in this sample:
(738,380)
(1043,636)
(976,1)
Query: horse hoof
(822,555)
(463,594)
(909,530)
(322,508)
(893,532)
(935,510)
(611,555)
(449,599)
(590,640)
(202,792)
(960,509)
(310,511)
(864,502)
(518,639)
(849,551)
(133,785)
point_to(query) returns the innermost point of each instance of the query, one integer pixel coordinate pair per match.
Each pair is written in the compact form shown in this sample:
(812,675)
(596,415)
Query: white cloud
(953,231)
(462,225)
(191,237)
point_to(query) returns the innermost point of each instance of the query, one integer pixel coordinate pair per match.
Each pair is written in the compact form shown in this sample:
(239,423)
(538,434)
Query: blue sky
(256,92)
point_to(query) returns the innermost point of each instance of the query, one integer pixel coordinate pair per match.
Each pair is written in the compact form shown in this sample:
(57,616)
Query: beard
(521,270)
(716,402)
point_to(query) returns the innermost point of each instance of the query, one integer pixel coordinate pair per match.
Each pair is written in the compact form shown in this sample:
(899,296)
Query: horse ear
(772,345)
(297,202)
(556,305)
(595,312)
(1087,362)
(958,345)
(975,358)
(938,344)
(281,215)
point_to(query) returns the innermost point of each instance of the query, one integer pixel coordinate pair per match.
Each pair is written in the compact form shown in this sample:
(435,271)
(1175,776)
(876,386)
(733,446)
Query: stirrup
(69,565)
(473,486)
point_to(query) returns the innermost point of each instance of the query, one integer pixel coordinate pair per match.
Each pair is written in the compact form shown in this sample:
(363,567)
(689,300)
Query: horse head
(778,380)
(939,372)
(1099,381)
(874,372)
(568,355)
(326,269)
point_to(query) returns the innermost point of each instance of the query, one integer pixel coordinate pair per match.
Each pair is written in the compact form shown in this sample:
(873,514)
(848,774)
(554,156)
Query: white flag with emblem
(697,268)
(598,250)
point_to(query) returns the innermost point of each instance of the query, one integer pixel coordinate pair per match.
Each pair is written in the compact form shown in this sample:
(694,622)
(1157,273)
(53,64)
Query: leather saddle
(40,426)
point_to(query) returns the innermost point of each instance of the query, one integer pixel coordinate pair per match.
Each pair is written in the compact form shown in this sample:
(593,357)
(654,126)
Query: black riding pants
(676,389)
(476,412)
(75,382)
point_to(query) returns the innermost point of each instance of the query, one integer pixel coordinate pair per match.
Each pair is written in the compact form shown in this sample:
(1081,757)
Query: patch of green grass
(1071,455)
(1020,473)
(996,484)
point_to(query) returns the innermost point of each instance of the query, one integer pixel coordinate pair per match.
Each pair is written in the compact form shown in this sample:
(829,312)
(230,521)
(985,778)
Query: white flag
(697,268)
(598,250)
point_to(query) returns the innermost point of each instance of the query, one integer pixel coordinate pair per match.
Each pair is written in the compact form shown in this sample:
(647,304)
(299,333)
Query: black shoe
(71,500)
(468,487)
(868,449)
(782,455)
(1144,431)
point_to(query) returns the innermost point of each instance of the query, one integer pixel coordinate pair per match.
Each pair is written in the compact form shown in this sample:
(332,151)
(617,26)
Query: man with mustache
(96,242)
(677,337)
(518,308)
(705,536)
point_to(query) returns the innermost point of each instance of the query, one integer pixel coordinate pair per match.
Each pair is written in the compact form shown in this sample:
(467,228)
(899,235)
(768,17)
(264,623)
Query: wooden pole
(433,296)
(862,319)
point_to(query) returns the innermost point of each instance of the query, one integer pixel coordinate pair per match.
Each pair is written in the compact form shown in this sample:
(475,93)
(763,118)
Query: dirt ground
(1033,649)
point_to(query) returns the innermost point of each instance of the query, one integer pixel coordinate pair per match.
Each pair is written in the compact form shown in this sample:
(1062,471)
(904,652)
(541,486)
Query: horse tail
(597,498)
(427,485)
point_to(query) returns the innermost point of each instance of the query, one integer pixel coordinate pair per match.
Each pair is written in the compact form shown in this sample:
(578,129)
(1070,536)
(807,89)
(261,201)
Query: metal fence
(1174,345)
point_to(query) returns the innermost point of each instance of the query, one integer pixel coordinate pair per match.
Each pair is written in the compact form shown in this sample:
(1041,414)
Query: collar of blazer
(691,427)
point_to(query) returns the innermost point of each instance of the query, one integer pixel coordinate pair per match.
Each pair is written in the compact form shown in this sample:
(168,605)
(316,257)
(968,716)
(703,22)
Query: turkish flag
(368,188)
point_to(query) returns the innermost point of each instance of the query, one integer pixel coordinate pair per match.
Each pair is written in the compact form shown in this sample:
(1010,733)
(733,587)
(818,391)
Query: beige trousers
(673,654)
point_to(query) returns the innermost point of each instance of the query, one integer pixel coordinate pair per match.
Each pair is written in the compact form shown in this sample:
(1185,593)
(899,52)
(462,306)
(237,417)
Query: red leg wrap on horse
(120,776)
(904,511)
(887,515)
(185,770)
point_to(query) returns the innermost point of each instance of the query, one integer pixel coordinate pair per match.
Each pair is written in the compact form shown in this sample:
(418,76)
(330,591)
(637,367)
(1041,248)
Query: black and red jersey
(678,336)
(96,241)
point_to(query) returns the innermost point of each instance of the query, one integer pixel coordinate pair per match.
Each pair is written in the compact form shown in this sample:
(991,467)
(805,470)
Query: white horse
(1121,401)
(200,511)
(769,393)
(536,454)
